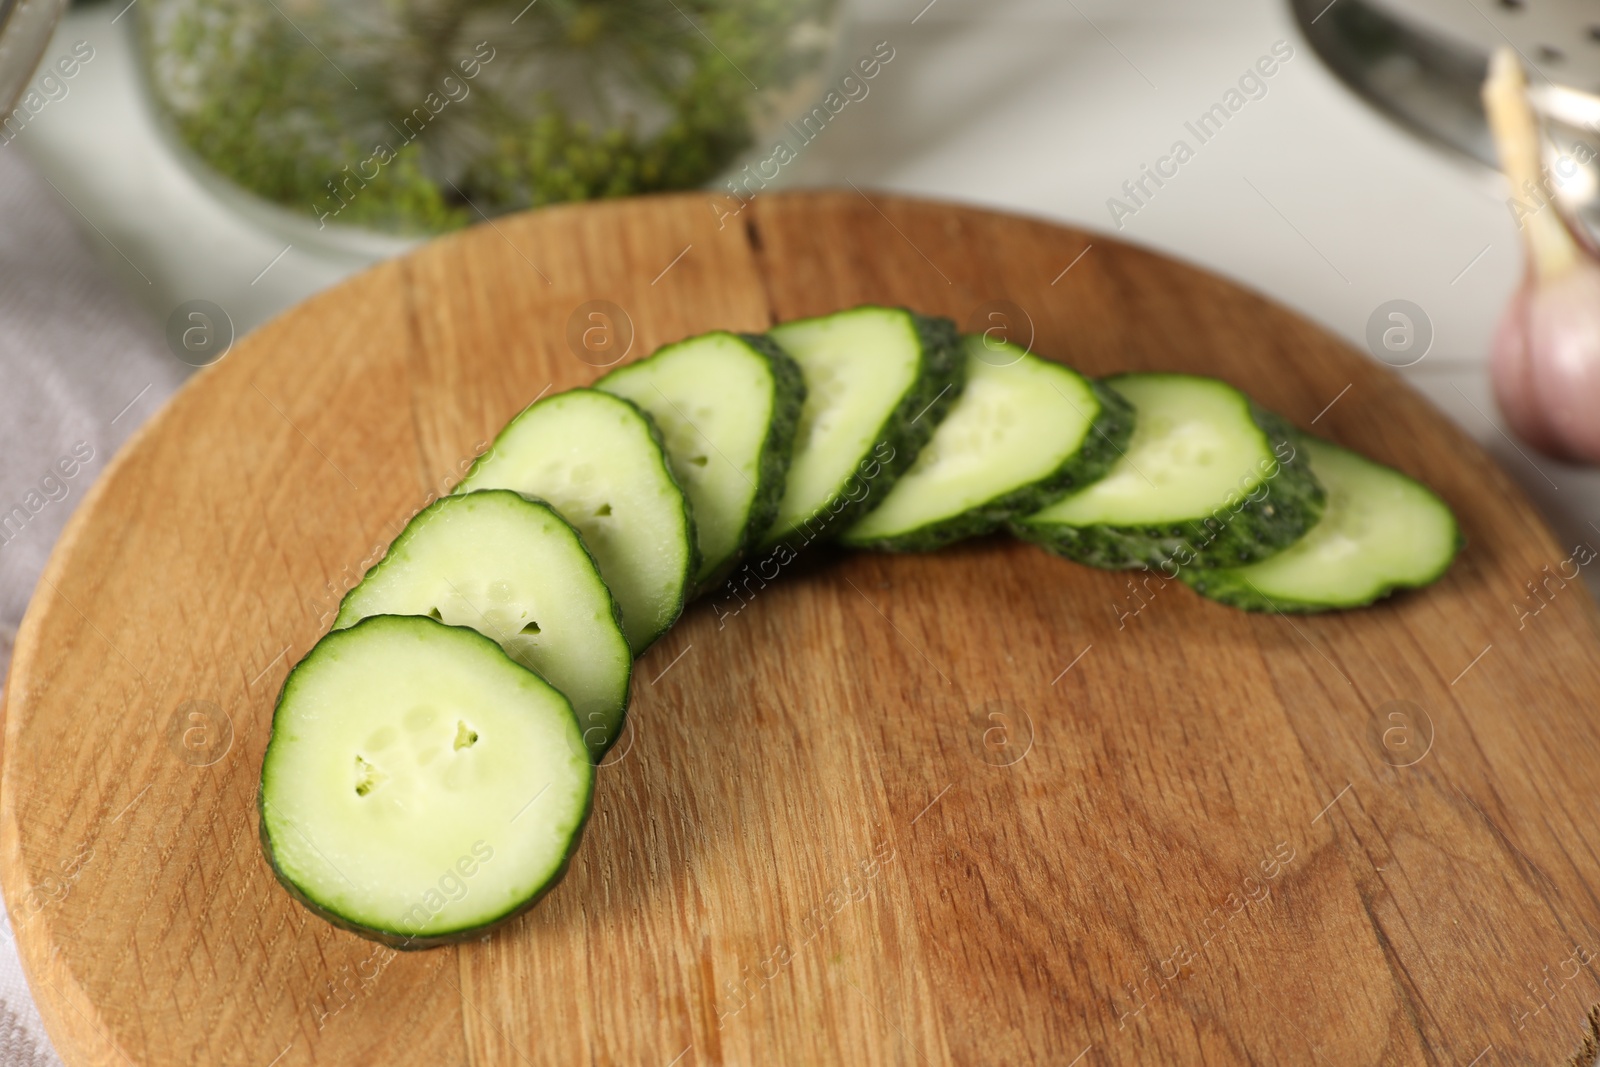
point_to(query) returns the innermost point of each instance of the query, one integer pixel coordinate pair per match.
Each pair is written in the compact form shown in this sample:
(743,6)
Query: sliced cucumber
(599,461)
(878,381)
(1024,431)
(1380,532)
(1207,476)
(419,787)
(727,405)
(514,570)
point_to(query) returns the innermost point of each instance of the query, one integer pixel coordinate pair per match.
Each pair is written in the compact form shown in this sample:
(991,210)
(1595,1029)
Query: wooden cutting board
(983,806)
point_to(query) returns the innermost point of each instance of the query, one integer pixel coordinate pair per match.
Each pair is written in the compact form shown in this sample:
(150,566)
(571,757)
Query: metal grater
(1560,38)
(25,27)
(1421,62)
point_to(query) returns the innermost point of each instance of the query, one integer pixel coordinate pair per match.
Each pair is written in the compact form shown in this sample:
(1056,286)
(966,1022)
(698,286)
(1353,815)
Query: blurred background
(175,172)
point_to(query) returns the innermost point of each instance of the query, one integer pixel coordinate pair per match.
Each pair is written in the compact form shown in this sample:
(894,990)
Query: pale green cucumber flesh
(1024,431)
(878,381)
(514,570)
(1207,478)
(1381,531)
(726,405)
(598,460)
(419,787)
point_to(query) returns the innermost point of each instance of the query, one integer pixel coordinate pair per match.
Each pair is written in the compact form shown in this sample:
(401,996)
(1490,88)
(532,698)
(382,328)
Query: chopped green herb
(412,116)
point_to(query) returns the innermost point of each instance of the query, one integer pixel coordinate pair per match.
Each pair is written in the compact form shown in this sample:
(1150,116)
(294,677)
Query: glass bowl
(366,124)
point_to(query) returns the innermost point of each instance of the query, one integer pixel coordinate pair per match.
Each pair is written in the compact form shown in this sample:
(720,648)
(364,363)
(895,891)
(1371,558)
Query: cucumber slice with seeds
(419,787)
(1024,431)
(598,460)
(514,570)
(1208,479)
(727,405)
(1380,532)
(878,381)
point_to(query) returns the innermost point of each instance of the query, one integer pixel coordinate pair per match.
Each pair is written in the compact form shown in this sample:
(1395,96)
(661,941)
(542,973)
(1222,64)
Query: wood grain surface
(981,806)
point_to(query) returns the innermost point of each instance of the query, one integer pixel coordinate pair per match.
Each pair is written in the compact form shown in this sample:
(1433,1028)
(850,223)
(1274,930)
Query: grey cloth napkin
(80,367)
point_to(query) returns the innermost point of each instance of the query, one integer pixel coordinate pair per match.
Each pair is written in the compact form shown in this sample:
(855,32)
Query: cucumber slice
(515,571)
(1380,532)
(599,461)
(878,381)
(419,787)
(727,405)
(1208,479)
(1024,431)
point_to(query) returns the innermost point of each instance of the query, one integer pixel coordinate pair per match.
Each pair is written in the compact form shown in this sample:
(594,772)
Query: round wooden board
(983,806)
